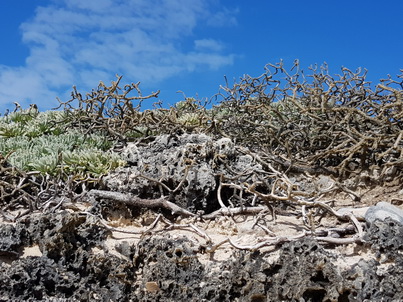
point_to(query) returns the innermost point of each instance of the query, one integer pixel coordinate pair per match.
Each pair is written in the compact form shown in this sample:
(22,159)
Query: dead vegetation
(318,123)
(290,127)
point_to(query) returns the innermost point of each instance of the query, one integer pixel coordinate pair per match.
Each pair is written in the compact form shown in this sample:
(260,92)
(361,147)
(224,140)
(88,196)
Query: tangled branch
(318,123)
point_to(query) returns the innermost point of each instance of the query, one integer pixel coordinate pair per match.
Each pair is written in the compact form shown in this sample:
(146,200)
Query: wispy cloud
(83,42)
(208,45)
(224,17)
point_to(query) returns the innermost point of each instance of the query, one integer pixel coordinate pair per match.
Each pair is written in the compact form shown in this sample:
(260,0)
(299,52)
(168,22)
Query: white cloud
(83,42)
(208,45)
(213,61)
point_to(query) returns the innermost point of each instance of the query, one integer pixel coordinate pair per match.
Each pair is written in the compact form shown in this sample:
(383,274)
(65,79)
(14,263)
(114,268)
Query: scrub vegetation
(289,143)
(288,121)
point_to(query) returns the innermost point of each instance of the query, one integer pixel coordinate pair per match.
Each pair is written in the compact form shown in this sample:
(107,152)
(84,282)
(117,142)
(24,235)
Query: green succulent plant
(31,123)
(38,143)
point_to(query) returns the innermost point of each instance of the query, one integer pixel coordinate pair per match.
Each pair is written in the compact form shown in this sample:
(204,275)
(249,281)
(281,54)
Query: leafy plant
(71,152)
(30,123)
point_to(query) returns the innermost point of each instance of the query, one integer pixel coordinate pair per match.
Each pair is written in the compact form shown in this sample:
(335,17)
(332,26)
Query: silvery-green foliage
(80,163)
(31,123)
(90,163)
(38,143)
(189,119)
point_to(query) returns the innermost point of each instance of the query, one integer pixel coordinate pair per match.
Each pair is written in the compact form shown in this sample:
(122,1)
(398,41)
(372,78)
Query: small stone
(152,287)
(383,210)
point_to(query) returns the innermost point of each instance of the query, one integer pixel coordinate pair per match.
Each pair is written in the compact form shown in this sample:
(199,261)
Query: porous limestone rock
(192,161)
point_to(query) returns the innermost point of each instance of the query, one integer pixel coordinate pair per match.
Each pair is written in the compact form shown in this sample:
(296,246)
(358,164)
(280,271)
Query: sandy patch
(31,251)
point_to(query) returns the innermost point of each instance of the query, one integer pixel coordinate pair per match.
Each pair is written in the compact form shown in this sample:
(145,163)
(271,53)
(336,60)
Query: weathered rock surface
(386,237)
(10,241)
(192,161)
(76,266)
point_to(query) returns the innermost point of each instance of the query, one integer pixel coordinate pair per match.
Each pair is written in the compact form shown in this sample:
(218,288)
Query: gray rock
(10,241)
(192,161)
(382,211)
(385,238)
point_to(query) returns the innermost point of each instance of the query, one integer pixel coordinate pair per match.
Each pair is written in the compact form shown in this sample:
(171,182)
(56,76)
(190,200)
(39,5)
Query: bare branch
(131,200)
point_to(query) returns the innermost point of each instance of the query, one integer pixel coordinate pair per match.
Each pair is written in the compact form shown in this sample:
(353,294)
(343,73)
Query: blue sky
(47,46)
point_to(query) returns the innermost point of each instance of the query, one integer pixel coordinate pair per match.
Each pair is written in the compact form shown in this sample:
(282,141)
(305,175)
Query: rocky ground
(107,247)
